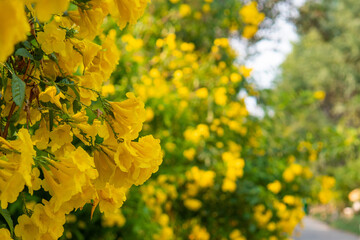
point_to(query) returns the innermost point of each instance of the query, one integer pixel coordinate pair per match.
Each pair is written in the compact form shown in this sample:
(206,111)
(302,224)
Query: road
(317,230)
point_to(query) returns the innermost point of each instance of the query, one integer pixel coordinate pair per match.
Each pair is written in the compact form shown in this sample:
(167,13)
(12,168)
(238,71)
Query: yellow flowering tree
(219,179)
(62,144)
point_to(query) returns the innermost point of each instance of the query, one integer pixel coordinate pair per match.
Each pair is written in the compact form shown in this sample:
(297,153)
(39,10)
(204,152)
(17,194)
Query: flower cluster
(252,18)
(60,139)
(216,152)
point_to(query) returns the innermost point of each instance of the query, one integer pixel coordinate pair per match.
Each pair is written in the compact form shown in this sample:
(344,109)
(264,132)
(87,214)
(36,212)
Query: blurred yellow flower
(184,10)
(5,234)
(189,154)
(13,28)
(199,233)
(108,89)
(192,204)
(246,72)
(319,95)
(250,14)
(274,187)
(236,235)
(220,96)
(249,31)
(202,93)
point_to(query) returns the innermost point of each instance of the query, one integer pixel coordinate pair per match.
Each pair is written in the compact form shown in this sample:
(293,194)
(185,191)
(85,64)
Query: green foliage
(325,59)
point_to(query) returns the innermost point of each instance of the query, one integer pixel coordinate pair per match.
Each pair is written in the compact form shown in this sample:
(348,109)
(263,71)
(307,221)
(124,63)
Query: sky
(272,52)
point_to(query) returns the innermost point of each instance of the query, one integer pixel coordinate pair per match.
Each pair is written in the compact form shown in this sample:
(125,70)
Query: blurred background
(257,107)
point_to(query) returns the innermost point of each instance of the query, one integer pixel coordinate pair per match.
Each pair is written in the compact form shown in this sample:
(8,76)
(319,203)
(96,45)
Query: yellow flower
(251,15)
(46,8)
(26,228)
(129,162)
(220,96)
(149,114)
(245,71)
(202,93)
(236,235)
(127,11)
(192,204)
(170,147)
(90,20)
(184,10)
(164,220)
(235,77)
(13,26)
(296,169)
(50,95)
(325,196)
(199,233)
(52,39)
(111,199)
(189,154)
(327,182)
(108,89)
(70,178)
(206,8)
(319,95)
(129,116)
(166,233)
(288,175)
(221,42)
(5,234)
(289,199)
(114,219)
(15,167)
(60,136)
(274,187)
(228,185)
(48,221)
(249,31)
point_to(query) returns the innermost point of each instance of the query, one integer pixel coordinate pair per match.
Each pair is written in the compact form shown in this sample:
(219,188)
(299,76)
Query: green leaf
(90,113)
(24,53)
(53,57)
(18,90)
(38,54)
(26,44)
(6,215)
(75,91)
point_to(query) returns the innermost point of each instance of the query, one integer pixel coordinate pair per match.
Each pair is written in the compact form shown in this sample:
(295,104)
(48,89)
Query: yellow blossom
(249,31)
(192,204)
(220,96)
(184,10)
(108,89)
(189,154)
(246,72)
(228,185)
(319,95)
(198,233)
(46,8)
(127,11)
(236,235)
(5,234)
(274,187)
(251,15)
(14,30)
(15,167)
(202,93)
(52,39)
